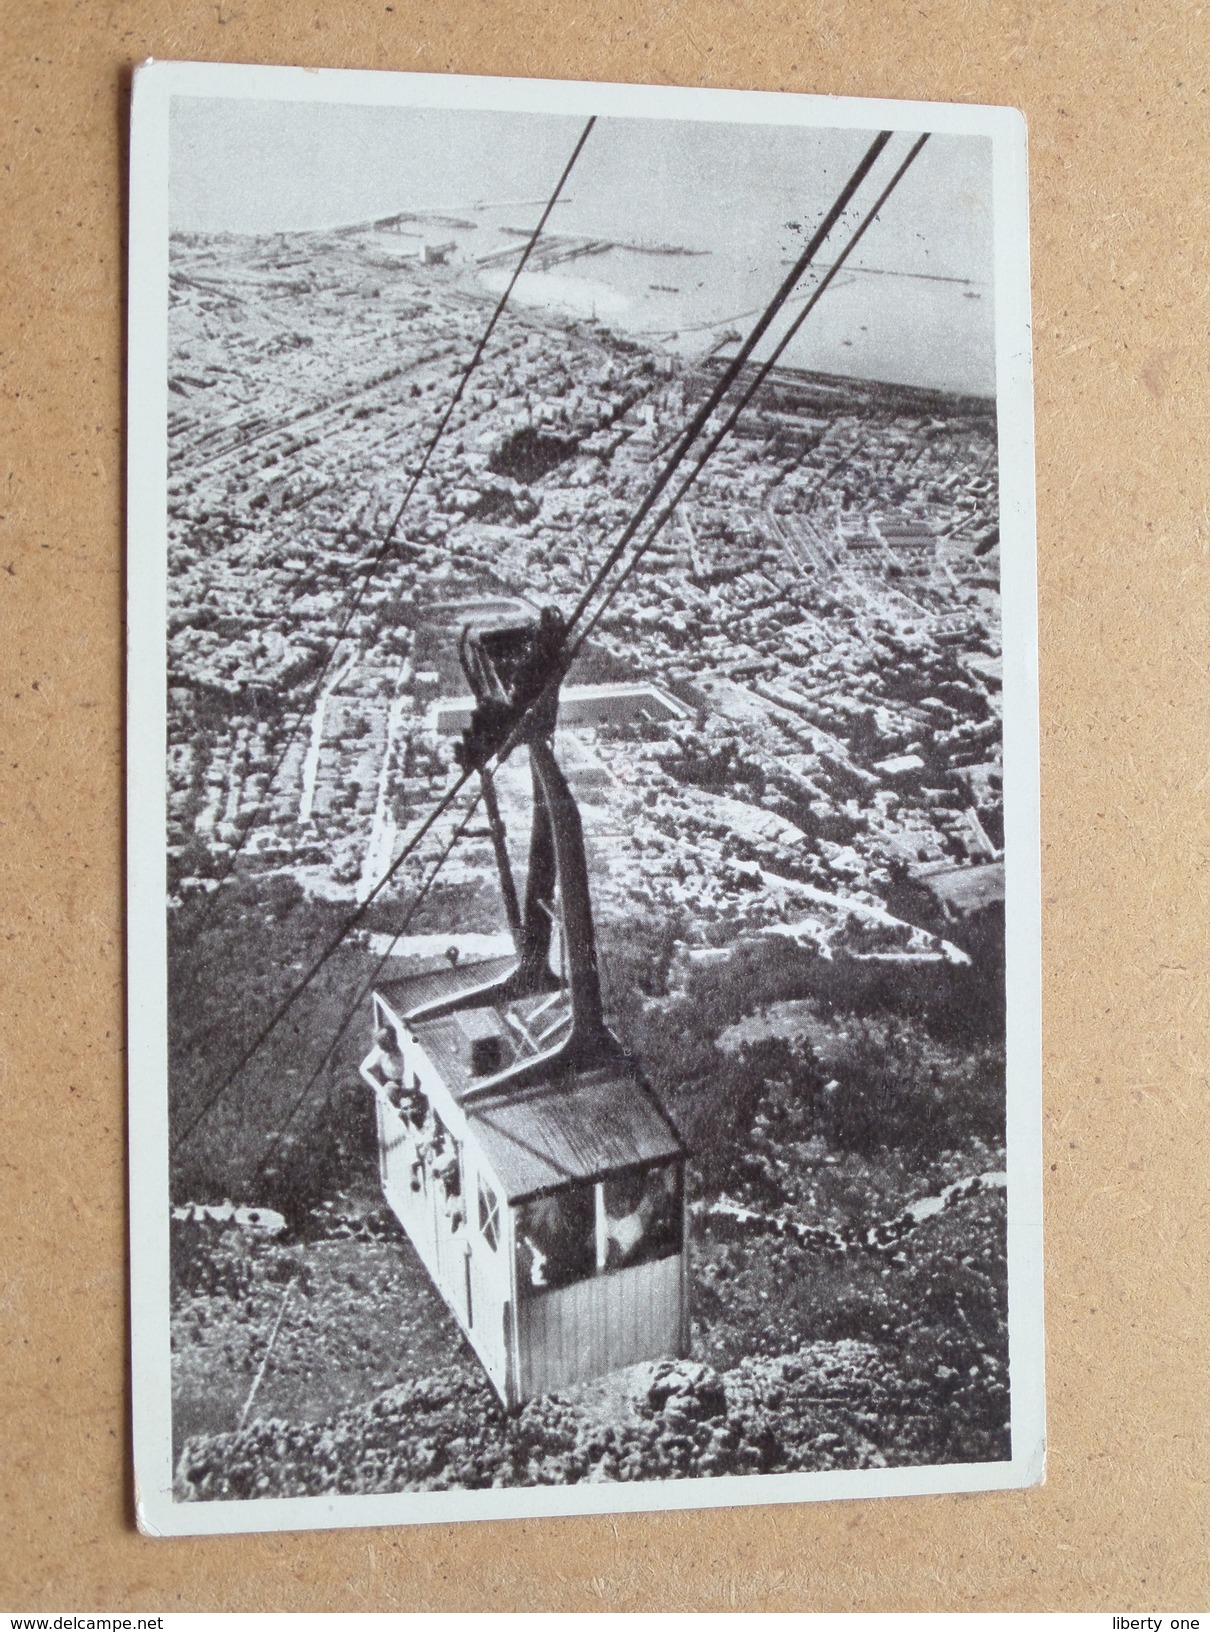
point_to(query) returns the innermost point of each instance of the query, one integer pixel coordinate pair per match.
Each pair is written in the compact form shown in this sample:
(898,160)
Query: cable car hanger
(498,734)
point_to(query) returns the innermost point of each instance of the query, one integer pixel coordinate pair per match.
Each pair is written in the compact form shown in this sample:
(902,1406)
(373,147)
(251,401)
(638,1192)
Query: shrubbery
(883,1085)
(889,1057)
(889,1377)
(226,979)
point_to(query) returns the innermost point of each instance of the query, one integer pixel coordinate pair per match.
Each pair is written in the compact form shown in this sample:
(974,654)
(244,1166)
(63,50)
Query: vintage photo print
(583,857)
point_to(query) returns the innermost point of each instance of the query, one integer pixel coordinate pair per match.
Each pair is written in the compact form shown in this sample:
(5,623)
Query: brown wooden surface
(1115,96)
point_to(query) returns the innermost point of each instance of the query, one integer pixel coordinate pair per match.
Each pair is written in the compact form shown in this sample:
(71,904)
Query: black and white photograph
(582,818)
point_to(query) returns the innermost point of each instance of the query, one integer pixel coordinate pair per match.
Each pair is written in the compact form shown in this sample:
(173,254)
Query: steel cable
(685,442)
(366,573)
(731,373)
(300,986)
(748,393)
(366,986)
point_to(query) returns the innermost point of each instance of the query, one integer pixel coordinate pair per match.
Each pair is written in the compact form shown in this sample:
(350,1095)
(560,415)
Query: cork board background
(1115,95)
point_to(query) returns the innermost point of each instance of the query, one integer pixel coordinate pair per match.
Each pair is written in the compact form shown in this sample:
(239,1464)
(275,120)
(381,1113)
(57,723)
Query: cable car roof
(431,985)
(577,1127)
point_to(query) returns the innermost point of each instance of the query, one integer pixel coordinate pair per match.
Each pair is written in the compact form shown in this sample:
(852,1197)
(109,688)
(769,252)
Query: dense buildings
(823,608)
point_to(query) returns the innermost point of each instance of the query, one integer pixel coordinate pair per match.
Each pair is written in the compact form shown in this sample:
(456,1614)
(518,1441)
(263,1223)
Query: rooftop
(965,890)
(578,1126)
(617,701)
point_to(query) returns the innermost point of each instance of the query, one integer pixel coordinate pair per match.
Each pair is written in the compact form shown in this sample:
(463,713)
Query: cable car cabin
(534,1171)
(550,1217)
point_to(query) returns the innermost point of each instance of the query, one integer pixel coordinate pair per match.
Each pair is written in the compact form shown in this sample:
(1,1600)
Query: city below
(787,721)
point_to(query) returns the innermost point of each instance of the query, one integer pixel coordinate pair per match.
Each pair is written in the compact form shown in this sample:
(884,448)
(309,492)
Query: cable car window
(643,1216)
(556,1239)
(489,1216)
(390,1066)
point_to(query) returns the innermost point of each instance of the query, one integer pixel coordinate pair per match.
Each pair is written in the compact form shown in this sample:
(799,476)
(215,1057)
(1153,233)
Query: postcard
(583,800)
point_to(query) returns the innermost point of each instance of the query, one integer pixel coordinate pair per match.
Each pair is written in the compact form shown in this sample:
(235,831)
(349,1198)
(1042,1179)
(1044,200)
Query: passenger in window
(445,1169)
(535,1263)
(558,1233)
(430,1132)
(642,1216)
(429,1142)
(388,1063)
(629,1209)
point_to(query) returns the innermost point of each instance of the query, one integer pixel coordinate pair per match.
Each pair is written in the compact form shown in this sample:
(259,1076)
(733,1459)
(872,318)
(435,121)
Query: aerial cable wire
(731,373)
(691,433)
(365,573)
(747,395)
(749,391)
(313,969)
(697,424)
(487,333)
(366,986)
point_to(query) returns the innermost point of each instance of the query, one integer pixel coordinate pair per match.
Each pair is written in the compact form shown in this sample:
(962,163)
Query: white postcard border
(155,83)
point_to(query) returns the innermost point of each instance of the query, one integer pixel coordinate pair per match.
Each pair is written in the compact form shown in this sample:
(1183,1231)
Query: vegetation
(804,1094)
(890,1379)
